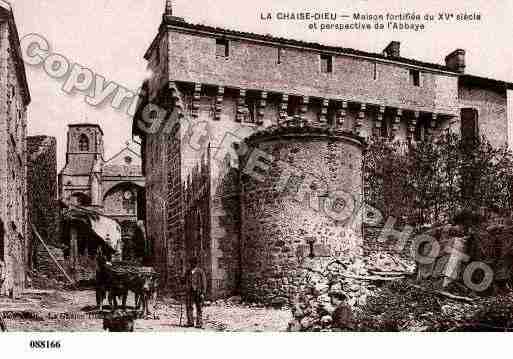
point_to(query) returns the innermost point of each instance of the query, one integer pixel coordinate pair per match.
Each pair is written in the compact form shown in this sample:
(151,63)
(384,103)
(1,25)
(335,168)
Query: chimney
(393,49)
(169,8)
(455,61)
(168,13)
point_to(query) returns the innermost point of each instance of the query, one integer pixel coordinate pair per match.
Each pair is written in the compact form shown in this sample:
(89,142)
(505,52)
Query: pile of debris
(333,288)
(408,305)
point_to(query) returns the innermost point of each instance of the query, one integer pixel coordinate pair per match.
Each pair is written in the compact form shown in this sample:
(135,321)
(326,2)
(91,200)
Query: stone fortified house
(229,84)
(113,187)
(14,100)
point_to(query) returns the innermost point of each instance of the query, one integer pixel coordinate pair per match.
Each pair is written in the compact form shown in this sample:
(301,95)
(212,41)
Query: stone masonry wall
(491,105)
(279,232)
(196,210)
(175,251)
(42,196)
(254,65)
(225,229)
(13,175)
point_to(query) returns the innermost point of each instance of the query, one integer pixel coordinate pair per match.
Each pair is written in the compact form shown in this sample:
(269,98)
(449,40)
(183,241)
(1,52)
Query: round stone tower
(300,201)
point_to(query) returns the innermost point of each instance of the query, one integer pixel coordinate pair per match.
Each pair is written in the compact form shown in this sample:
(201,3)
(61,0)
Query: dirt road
(74,311)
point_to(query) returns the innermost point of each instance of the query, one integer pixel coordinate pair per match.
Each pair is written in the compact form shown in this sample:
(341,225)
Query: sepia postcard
(173,166)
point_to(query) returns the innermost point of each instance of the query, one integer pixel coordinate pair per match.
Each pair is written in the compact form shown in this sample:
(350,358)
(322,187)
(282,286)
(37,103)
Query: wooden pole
(51,255)
(73,248)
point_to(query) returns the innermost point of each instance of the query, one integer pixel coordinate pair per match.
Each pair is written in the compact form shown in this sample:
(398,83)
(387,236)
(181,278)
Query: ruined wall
(279,228)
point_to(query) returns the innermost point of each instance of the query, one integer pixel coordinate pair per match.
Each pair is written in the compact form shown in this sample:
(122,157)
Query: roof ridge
(121,151)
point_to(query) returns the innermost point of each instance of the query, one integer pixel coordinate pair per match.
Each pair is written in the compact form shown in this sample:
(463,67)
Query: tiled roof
(84,124)
(484,82)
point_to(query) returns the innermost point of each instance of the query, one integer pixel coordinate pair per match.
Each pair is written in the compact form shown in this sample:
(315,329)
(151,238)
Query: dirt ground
(74,311)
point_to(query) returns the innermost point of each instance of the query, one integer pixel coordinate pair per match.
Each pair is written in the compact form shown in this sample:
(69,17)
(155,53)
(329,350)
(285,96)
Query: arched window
(83,143)
(129,203)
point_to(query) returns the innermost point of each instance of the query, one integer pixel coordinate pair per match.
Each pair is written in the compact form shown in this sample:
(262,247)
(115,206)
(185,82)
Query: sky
(110,37)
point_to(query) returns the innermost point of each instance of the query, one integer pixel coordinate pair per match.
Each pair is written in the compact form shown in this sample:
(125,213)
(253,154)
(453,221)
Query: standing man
(196,289)
(102,278)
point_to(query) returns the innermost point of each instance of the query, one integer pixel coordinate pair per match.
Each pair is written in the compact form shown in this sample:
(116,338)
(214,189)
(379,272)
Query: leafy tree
(430,182)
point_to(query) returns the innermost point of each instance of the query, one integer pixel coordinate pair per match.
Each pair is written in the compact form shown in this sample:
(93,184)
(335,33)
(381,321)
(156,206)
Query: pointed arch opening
(83,143)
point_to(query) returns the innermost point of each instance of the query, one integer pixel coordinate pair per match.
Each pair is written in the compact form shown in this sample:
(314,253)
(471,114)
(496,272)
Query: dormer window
(222,48)
(83,144)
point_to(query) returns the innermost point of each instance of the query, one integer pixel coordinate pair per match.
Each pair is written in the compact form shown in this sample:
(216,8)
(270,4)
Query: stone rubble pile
(330,284)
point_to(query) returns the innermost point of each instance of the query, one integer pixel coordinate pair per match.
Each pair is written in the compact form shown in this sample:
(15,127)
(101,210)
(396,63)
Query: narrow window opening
(251,103)
(279,55)
(375,71)
(293,106)
(83,143)
(311,248)
(422,130)
(415,78)
(385,128)
(157,55)
(153,115)
(326,64)
(222,48)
